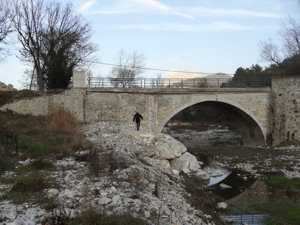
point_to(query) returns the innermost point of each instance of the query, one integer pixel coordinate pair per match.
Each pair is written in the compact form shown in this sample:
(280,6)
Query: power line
(153,69)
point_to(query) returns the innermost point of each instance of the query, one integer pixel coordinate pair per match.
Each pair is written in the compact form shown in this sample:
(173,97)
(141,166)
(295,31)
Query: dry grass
(61,121)
(41,136)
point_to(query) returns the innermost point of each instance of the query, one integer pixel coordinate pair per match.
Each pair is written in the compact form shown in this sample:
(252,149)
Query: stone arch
(249,125)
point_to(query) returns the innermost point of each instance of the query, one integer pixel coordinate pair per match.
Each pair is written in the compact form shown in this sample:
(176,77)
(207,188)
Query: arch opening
(247,127)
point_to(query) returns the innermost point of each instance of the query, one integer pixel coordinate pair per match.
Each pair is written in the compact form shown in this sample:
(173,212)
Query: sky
(205,36)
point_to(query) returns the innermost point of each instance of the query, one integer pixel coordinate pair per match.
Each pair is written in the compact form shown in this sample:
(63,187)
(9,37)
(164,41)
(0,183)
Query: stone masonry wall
(285,112)
(71,100)
(277,114)
(157,108)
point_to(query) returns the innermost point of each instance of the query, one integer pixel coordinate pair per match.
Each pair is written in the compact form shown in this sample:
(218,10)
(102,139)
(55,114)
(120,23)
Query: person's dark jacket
(137,117)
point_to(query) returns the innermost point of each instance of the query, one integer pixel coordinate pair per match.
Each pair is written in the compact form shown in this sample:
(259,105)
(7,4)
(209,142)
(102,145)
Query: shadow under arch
(248,127)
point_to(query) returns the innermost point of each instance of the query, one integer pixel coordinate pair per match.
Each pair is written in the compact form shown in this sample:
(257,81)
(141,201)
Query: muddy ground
(237,151)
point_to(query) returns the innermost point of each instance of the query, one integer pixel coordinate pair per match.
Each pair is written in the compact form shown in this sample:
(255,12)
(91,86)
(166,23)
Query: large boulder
(186,163)
(167,146)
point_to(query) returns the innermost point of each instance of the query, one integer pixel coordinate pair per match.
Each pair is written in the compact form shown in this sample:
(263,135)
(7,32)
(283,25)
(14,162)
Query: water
(217,173)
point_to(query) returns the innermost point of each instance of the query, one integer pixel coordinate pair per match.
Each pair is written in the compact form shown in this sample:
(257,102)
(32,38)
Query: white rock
(202,175)
(221,205)
(52,193)
(185,161)
(161,162)
(164,150)
(224,186)
(169,147)
(230,220)
(21,221)
(175,172)
(33,213)
(116,200)
(66,194)
(105,201)
(219,174)
(11,214)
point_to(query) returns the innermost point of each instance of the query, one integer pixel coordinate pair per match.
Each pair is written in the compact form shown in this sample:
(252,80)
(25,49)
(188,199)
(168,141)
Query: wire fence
(250,219)
(106,82)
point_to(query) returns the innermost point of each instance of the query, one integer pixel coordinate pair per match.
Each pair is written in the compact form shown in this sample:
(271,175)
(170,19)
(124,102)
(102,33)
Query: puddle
(217,173)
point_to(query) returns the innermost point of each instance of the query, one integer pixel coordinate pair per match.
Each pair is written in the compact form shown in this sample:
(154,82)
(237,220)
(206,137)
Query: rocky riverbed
(127,172)
(224,147)
(144,175)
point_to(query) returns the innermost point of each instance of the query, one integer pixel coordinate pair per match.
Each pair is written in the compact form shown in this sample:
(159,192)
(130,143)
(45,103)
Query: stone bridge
(263,115)
(248,108)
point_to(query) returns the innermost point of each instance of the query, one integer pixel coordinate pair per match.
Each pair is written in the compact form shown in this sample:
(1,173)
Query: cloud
(158,27)
(218,12)
(86,6)
(224,25)
(141,7)
(175,61)
(215,26)
(156,5)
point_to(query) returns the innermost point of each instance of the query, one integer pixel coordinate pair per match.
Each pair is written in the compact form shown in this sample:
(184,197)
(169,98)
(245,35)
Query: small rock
(224,186)
(221,205)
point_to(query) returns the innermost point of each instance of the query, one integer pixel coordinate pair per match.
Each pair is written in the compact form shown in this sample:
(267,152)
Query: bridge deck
(176,90)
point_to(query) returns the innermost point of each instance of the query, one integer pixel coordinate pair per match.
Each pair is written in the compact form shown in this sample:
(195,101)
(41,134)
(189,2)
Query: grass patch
(50,204)
(25,187)
(91,217)
(39,164)
(281,213)
(41,136)
(6,164)
(283,182)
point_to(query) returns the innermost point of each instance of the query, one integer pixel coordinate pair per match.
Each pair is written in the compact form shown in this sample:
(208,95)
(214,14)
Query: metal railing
(251,219)
(106,82)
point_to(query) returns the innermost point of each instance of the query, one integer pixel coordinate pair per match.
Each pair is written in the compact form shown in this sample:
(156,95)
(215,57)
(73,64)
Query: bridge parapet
(201,82)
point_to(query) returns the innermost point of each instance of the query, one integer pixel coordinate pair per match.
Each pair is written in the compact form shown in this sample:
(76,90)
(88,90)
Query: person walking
(137,118)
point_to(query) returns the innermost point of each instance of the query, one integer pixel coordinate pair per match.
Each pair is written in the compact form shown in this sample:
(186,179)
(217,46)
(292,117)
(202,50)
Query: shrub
(30,184)
(91,217)
(61,121)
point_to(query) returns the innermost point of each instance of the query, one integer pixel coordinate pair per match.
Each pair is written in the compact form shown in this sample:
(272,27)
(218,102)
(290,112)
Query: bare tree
(290,34)
(128,67)
(29,79)
(269,52)
(5,28)
(156,82)
(54,39)
(290,38)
